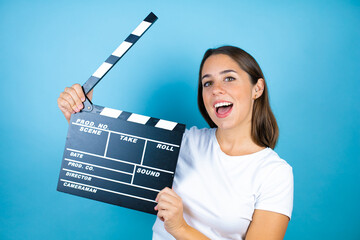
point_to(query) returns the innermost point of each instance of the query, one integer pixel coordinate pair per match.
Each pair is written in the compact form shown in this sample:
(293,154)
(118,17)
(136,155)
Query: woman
(229,183)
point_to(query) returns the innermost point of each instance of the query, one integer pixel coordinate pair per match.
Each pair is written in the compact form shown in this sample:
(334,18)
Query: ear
(258,88)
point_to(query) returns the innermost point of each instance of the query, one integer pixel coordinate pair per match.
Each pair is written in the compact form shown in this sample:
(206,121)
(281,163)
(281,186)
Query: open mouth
(223,108)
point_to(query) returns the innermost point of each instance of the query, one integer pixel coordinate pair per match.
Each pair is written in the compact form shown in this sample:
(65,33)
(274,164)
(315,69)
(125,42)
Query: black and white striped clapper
(115,156)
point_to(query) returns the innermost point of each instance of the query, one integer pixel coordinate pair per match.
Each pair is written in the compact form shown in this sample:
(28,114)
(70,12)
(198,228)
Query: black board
(119,157)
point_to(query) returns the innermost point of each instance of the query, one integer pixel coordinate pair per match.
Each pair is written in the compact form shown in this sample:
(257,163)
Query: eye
(207,84)
(229,79)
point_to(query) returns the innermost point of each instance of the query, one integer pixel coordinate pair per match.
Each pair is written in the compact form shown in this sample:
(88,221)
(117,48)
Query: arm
(267,225)
(170,211)
(71,100)
(273,205)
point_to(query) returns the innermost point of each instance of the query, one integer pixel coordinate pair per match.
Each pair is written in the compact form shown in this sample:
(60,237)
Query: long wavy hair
(264,128)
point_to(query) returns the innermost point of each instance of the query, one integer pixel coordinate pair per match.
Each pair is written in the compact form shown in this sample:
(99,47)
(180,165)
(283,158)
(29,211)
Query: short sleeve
(276,193)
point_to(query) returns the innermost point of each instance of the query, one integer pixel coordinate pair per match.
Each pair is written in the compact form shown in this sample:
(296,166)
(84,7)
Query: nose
(217,89)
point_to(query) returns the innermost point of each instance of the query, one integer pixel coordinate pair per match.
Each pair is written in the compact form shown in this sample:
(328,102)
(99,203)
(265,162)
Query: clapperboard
(115,156)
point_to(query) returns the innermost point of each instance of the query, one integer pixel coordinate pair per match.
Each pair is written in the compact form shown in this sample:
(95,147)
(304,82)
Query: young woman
(229,183)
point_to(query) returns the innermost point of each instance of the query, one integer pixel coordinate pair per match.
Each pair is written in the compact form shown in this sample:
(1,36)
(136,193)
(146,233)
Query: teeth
(222,104)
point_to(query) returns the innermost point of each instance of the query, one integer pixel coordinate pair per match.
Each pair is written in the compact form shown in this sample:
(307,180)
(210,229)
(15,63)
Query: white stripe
(166,124)
(107,190)
(109,112)
(124,46)
(102,70)
(107,144)
(133,175)
(137,118)
(142,158)
(141,28)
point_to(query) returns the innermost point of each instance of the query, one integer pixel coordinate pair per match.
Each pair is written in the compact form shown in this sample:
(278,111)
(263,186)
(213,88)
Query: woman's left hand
(170,211)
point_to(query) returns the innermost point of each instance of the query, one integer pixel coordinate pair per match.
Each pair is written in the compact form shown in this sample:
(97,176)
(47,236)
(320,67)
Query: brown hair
(264,129)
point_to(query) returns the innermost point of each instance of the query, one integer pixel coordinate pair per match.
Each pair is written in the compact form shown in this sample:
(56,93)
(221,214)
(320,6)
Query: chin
(225,125)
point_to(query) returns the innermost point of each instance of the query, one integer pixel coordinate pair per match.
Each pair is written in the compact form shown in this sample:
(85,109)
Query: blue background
(309,52)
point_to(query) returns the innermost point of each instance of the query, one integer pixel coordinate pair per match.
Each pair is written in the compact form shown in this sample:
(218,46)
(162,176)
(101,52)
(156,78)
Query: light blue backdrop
(309,52)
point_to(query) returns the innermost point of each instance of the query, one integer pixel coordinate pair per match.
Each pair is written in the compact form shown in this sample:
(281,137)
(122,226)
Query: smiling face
(227,92)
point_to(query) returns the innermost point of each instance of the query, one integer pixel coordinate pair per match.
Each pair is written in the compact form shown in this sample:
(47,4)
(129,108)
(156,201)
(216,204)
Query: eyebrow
(222,72)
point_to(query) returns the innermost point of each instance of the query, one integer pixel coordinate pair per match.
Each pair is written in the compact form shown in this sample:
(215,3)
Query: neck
(237,142)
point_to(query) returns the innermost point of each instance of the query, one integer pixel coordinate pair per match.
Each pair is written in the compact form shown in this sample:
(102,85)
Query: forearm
(267,225)
(188,233)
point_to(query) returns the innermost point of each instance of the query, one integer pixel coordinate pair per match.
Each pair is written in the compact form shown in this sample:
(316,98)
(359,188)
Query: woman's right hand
(71,100)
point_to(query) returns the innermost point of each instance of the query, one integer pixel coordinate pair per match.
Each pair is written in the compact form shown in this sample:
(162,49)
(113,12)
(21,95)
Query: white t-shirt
(221,192)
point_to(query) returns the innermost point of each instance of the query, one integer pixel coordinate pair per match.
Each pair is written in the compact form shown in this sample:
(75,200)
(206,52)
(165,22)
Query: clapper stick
(119,157)
(115,57)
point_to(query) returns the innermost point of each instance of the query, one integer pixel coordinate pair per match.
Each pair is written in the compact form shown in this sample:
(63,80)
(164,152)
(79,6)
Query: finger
(170,192)
(158,196)
(160,215)
(67,101)
(79,91)
(167,197)
(167,211)
(67,116)
(64,104)
(65,110)
(164,190)
(165,206)
(76,99)
(169,200)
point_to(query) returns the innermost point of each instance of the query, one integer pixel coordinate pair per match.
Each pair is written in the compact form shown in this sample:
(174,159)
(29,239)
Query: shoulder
(274,171)
(196,142)
(272,162)
(199,131)
(197,135)
(275,185)
(194,146)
